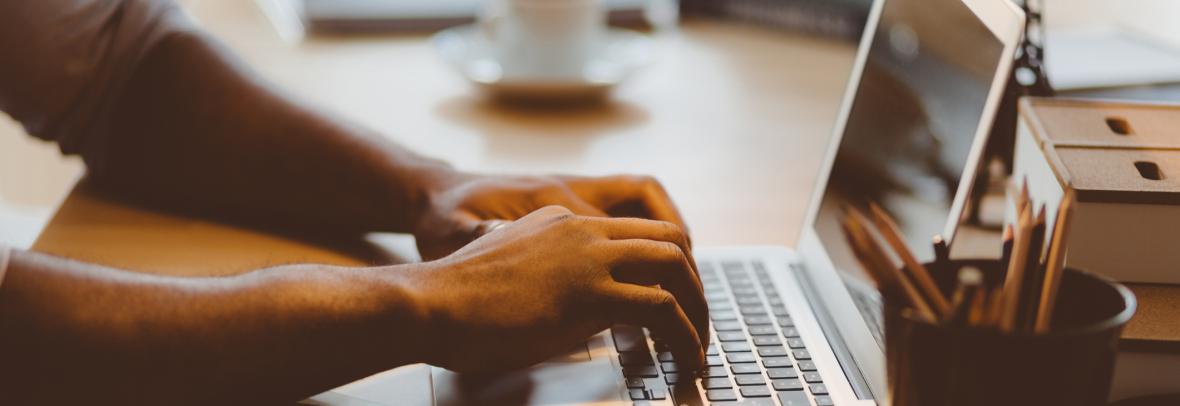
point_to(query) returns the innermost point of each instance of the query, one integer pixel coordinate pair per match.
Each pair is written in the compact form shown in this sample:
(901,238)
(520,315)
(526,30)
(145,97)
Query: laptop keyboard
(755,357)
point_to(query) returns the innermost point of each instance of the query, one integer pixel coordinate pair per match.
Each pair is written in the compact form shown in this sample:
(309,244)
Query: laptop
(803,327)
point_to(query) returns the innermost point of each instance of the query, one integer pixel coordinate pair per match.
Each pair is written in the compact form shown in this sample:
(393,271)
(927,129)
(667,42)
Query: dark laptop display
(912,127)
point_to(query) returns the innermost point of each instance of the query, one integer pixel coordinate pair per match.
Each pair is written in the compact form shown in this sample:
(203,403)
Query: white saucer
(469,51)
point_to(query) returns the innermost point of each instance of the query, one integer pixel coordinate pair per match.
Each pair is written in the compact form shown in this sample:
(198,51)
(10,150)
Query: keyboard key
(778,351)
(638,394)
(780,373)
(780,311)
(726,315)
(818,389)
(793,398)
(720,394)
(714,361)
(635,383)
(790,332)
(740,358)
(629,339)
(720,306)
(760,391)
(717,296)
(812,377)
(776,362)
(716,383)
(657,394)
(824,401)
(714,372)
(641,372)
(745,292)
(727,326)
(673,379)
(736,347)
(668,367)
(763,341)
(762,331)
(757,320)
(628,359)
(785,322)
(749,301)
(786,384)
(742,369)
(747,380)
(795,343)
(712,350)
(753,310)
(806,366)
(730,336)
(665,357)
(801,354)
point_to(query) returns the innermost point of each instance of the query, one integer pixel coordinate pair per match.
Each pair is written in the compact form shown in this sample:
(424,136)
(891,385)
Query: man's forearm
(279,334)
(199,132)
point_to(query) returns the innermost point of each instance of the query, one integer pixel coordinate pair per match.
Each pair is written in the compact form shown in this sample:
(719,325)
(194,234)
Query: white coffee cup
(541,39)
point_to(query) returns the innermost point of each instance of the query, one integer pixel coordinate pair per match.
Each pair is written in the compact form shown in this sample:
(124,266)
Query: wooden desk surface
(732,119)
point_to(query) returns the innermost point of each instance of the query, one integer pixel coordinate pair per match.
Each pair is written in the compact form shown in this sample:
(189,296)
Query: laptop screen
(911,128)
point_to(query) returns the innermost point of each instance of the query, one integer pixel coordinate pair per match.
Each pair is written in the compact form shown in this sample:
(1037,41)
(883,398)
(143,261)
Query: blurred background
(728,90)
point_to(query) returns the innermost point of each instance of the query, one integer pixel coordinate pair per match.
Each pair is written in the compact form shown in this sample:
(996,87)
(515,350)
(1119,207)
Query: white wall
(1161,18)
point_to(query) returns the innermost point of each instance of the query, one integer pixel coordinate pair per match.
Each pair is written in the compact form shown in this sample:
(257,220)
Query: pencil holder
(932,364)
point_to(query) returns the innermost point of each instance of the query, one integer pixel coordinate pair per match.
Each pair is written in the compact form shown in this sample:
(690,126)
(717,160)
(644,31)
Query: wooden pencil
(918,273)
(1006,248)
(868,242)
(871,265)
(1054,265)
(969,282)
(1015,278)
(975,316)
(995,307)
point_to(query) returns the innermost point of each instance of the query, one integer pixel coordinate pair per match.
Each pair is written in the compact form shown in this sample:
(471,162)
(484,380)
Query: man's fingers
(627,192)
(647,262)
(636,228)
(659,311)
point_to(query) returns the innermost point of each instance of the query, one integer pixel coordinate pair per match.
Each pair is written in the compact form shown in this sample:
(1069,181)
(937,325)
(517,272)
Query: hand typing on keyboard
(544,283)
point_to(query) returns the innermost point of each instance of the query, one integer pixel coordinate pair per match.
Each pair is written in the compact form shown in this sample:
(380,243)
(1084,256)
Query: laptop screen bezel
(1006,23)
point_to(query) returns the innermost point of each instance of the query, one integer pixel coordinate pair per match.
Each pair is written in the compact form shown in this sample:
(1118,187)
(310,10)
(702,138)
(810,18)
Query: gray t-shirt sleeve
(63,63)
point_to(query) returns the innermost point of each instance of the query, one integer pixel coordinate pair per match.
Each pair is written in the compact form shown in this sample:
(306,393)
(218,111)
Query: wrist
(415,306)
(421,187)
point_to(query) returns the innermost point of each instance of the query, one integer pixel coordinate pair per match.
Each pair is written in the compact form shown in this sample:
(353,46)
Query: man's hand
(462,211)
(546,282)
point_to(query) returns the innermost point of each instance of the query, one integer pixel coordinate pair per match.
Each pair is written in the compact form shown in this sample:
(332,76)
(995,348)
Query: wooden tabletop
(732,119)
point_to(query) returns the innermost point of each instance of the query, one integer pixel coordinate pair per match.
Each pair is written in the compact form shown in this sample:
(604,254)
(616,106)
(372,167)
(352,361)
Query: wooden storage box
(1123,162)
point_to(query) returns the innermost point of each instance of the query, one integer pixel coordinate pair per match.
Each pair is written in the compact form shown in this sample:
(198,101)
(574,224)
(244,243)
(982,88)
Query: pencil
(976,314)
(1015,278)
(970,281)
(942,252)
(995,307)
(1030,286)
(1054,265)
(889,230)
(1006,251)
(872,265)
(889,273)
